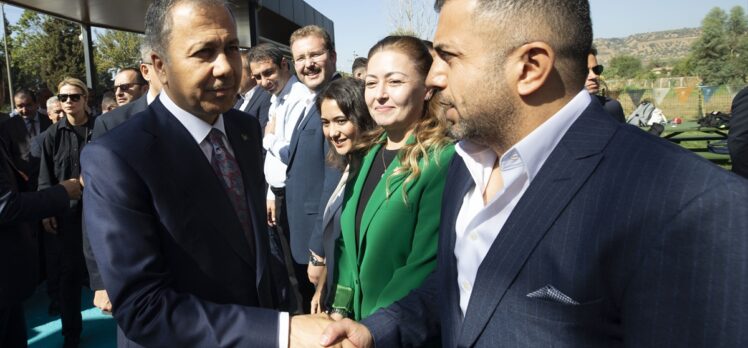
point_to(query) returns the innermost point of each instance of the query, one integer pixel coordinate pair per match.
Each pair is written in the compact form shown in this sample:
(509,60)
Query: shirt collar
(198,128)
(533,150)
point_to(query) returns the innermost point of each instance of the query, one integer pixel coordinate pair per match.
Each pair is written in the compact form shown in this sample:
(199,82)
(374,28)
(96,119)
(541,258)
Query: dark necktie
(226,167)
(30,127)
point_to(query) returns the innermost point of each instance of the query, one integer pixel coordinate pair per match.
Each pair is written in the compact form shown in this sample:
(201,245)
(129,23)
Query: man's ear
(159,65)
(534,62)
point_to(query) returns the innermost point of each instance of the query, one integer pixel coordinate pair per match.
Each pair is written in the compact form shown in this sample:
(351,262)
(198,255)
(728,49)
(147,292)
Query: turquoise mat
(99,330)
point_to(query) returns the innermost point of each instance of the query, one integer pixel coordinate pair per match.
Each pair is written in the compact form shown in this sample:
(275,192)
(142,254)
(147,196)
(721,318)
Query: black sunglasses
(597,69)
(126,86)
(73,97)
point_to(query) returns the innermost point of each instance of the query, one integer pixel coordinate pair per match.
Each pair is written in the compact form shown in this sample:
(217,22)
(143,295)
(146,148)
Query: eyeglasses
(73,97)
(315,57)
(126,86)
(597,69)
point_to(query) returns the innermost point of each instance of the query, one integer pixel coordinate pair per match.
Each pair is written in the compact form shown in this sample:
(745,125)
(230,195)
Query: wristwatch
(315,261)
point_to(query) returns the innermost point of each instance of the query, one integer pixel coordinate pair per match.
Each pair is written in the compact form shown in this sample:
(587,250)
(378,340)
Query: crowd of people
(474,191)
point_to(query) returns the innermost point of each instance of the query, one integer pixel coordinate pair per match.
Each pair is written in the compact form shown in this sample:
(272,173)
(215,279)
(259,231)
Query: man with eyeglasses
(129,85)
(314,60)
(612,106)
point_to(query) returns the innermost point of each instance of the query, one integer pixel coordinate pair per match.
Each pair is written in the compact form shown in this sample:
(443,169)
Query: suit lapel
(253,100)
(300,126)
(563,174)
(187,167)
(457,186)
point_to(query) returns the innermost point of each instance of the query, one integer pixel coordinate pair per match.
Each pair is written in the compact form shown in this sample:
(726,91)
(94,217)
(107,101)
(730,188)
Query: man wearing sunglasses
(129,85)
(592,85)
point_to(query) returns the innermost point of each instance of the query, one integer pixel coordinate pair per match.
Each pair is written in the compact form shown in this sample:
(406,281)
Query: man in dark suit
(737,137)
(309,180)
(20,213)
(174,201)
(253,99)
(18,135)
(530,252)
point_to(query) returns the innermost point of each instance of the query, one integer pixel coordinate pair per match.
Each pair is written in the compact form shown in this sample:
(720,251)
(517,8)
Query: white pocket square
(550,293)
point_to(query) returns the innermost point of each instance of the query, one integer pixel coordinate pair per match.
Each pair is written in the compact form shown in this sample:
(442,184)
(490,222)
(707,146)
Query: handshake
(320,330)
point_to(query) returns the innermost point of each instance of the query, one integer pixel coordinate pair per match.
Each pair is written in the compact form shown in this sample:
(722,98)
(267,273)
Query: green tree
(710,54)
(624,66)
(44,50)
(116,50)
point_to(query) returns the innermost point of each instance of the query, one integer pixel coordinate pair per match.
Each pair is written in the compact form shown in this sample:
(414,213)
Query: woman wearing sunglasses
(391,208)
(61,149)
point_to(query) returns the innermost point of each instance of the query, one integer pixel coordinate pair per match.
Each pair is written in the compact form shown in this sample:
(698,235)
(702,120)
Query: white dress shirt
(286,107)
(479,224)
(199,130)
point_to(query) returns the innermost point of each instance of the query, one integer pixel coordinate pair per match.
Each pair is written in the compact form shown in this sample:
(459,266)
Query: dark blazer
(309,184)
(18,146)
(737,137)
(171,251)
(20,213)
(103,124)
(118,116)
(648,239)
(259,106)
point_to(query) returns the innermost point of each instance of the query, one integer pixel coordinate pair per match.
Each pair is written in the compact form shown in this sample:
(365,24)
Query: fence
(676,97)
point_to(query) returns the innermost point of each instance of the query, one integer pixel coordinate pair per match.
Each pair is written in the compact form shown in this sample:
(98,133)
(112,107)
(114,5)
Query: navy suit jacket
(309,184)
(119,115)
(737,137)
(259,106)
(649,240)
(170,248)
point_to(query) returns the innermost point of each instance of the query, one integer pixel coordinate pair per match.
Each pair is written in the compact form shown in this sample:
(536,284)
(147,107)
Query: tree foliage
(624,66)
(116,50)
(44,50)
(412,17)
(719,55)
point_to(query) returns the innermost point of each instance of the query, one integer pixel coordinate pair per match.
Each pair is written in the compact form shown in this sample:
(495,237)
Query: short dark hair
(158,23)
(593,50)
(359,62)
(26,92)
(266,51)
(138,76)
(348,93)
(564,25)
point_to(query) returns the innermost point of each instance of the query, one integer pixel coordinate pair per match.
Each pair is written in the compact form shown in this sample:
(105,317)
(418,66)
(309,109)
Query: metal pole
(7,56)
(88,55)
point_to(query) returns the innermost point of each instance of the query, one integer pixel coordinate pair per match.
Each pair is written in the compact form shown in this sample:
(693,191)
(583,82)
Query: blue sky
(361,23)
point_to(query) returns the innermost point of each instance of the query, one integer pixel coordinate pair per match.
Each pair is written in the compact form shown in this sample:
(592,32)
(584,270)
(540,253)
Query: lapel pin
(244,137)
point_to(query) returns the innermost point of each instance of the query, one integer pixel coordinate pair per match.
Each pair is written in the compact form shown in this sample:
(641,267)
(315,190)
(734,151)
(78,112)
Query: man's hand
(356,333)
(305,330)
(270,126)
(271,213)
(73,188)
(101,301)
(50,225)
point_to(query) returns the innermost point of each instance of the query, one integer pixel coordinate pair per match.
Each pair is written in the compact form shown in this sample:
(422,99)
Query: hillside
(661,45)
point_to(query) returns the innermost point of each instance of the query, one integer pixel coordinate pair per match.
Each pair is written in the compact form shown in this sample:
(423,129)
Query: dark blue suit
(649,240)
(309,184)
(114,118)
(169,245)
(258,106)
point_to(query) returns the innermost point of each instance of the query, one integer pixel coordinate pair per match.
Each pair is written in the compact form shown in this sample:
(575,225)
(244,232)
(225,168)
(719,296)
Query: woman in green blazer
(390,216)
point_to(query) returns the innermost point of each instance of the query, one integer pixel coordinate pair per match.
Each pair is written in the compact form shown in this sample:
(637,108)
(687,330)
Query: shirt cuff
(268,140)
(283,324)
(270,195)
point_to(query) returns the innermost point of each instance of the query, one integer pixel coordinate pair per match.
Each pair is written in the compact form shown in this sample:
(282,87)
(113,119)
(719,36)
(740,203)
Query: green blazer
(398,239)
